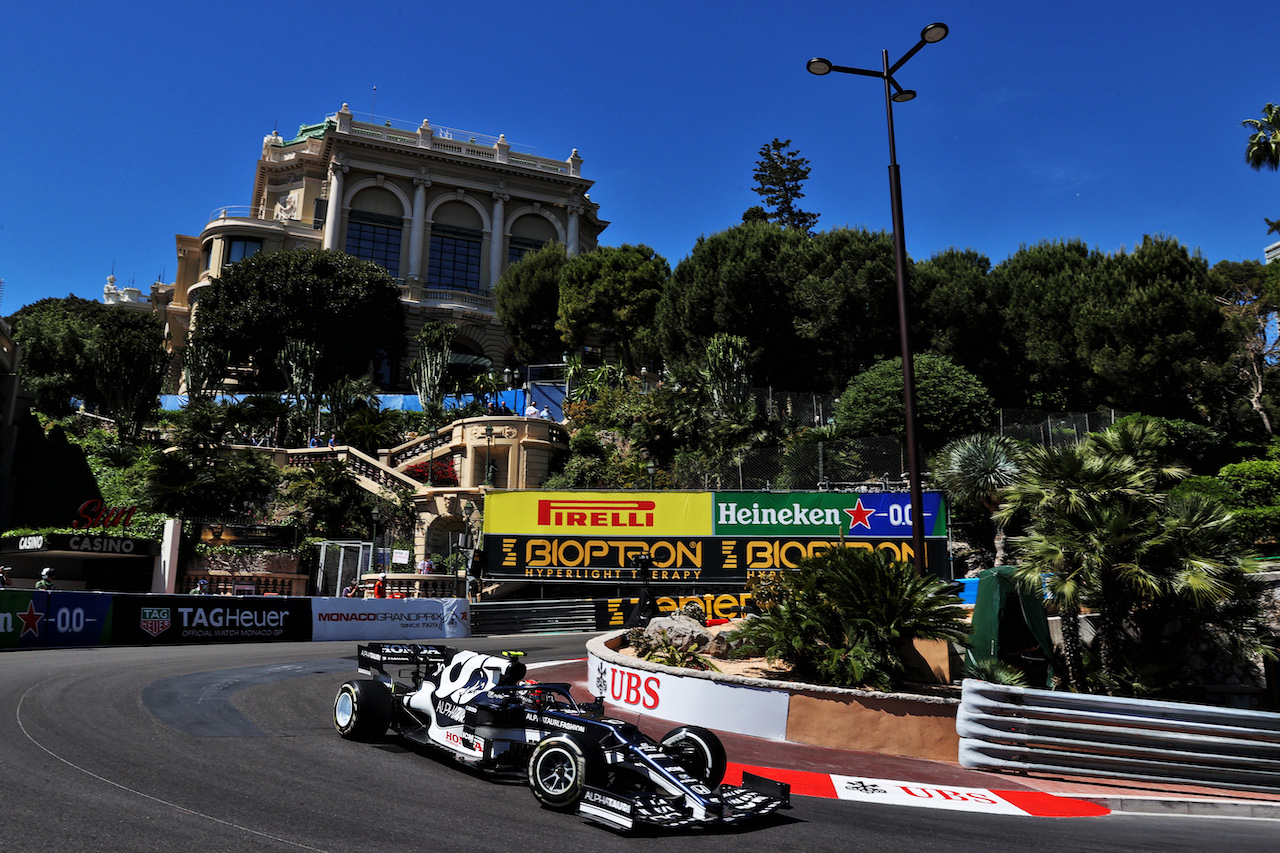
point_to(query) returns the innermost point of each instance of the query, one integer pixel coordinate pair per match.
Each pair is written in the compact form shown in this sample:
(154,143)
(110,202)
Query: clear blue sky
(125,124)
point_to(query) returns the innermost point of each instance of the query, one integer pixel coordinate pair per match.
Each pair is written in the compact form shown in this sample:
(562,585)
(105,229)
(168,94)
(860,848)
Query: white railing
(256,214)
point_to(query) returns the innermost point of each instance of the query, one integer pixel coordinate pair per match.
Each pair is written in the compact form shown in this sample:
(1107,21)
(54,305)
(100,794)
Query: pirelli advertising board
(695,537)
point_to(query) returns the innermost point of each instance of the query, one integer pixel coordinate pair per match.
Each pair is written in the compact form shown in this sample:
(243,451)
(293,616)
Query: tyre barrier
(1025,730)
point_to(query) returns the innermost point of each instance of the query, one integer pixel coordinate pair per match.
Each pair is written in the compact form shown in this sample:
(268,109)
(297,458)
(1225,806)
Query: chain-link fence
(1052,429)
(874,463)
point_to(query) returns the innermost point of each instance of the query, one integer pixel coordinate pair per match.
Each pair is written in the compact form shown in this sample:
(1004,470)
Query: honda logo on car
(595,513)
(629,688)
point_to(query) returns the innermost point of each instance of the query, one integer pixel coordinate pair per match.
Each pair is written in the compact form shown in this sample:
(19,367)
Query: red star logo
(860,514)
(30,620)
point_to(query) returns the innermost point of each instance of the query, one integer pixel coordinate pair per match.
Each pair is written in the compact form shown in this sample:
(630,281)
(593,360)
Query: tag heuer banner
(695,537)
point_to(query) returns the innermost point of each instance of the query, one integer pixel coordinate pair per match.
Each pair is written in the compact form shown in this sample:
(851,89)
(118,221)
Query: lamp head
(934,33)
(903,96)
(819,66)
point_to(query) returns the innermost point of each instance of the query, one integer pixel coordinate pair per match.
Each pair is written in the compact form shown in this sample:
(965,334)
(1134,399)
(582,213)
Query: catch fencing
(867,464)
(1025,730)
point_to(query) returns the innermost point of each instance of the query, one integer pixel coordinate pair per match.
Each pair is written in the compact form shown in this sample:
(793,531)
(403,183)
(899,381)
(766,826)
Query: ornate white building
(443,210)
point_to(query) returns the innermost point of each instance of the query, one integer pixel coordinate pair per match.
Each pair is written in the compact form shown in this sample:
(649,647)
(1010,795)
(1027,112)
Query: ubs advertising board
(695,537)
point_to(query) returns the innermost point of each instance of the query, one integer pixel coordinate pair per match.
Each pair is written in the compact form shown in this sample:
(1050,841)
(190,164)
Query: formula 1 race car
(481,710)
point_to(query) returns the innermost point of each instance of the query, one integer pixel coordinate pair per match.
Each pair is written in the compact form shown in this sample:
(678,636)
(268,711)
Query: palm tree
(1263,150)
(1094,510)
(1068,491)
(1104,534)
(979,468)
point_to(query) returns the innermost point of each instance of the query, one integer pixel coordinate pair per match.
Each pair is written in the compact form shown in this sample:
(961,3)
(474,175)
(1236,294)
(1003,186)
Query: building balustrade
(477,146)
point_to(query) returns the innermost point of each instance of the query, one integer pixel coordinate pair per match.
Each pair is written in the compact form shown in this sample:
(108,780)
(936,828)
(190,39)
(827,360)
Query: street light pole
(893,92)
(488,455)
(373,558)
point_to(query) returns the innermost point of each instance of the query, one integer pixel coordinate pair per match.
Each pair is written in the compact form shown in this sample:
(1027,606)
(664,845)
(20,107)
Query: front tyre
(698,751)
(561,767)
(362,709)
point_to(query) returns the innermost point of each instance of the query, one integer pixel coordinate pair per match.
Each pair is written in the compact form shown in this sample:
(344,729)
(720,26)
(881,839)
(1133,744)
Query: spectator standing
(380,586)
(46,579)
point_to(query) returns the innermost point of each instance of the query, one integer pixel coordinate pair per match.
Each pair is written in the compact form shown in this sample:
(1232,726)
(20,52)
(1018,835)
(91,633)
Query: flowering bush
(441,472)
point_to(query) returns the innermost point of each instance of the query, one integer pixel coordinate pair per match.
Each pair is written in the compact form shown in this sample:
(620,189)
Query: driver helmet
(47,572)
(383,575)
(203,582)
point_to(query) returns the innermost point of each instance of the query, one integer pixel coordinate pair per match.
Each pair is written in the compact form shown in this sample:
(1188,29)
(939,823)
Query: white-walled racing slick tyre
(362,709)
(698,751)
(561,767)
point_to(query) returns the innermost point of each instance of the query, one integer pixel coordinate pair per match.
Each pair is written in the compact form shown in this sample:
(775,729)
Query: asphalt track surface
(231,748)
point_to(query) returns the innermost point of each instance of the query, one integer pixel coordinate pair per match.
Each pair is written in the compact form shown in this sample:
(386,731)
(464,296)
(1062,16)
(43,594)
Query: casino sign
(85,560)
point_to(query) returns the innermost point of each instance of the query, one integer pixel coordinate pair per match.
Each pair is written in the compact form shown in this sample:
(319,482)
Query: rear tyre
(362,709)
(561,767)
(698,751)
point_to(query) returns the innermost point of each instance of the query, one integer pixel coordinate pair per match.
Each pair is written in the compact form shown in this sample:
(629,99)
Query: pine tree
(780,173)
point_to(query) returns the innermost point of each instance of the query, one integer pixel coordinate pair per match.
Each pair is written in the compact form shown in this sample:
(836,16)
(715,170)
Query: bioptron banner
(695,537)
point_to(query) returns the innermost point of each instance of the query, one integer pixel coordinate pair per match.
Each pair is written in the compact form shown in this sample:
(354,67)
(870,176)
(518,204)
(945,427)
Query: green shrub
(667,653)
(1256,481)
(846,617)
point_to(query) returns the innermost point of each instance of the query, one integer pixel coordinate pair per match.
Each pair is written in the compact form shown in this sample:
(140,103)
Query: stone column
(333,213)
(417,226)
(496,241)
(575,210)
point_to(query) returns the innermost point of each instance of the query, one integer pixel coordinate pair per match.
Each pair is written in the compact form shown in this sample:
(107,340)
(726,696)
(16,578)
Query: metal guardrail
(1021,729)
(532,617)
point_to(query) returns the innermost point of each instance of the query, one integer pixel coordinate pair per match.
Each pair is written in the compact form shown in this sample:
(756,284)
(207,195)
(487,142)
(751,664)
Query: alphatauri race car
(481,710)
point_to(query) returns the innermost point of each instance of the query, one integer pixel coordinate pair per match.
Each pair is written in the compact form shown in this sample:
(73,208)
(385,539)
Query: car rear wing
(374,658)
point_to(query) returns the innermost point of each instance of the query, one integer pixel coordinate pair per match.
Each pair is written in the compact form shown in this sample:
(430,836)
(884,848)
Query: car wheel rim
(342,710)
(556,772)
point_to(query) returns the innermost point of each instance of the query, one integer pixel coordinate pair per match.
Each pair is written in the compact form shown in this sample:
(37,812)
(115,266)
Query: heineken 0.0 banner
(695,537)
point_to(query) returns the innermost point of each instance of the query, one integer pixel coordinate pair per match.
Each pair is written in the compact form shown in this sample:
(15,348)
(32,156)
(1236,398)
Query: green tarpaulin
(1010,625)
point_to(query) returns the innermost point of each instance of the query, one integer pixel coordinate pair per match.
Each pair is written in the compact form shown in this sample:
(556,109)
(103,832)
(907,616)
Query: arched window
(456,237)
(528,234)
(455,258)
(374,229)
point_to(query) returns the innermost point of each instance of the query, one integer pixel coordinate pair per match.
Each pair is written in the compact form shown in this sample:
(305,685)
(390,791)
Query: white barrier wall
(694,701)
(390,618)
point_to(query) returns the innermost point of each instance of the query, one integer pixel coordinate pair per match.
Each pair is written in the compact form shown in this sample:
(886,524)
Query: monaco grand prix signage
(695,537)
